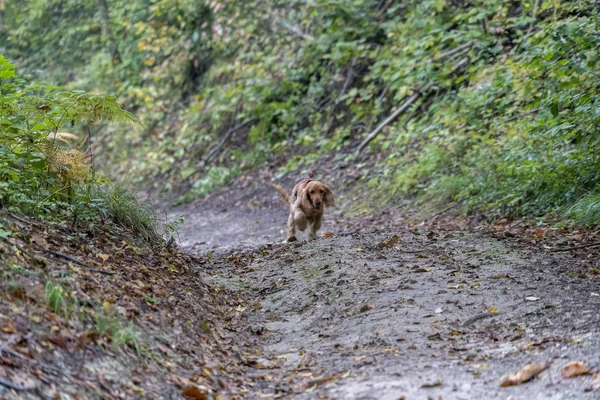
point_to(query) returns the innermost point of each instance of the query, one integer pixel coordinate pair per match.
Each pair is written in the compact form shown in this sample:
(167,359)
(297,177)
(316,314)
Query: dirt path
(395,313)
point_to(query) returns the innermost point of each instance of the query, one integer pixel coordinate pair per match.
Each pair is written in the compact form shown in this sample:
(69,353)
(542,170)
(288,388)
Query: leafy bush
(43,172)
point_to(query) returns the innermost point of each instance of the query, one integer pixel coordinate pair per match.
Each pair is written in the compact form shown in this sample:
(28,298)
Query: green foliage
(505,115)
(521,137)
(39,168)
(43,173)
(215,177)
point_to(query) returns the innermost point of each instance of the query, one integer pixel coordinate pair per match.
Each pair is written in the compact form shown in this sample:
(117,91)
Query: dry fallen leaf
(328,234)
(193,392)
(574,368)
(104,257)
(527,373)
(439,382)
(389,243)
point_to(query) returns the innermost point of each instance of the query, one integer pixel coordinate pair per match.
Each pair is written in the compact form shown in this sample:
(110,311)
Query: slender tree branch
(406,105)
(534,16)
(295,30)
(348,81)
(583,246)
(392,117)
(224,139)
(81,263)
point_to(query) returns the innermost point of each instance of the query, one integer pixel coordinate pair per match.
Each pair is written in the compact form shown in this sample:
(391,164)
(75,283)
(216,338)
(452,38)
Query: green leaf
(554,109)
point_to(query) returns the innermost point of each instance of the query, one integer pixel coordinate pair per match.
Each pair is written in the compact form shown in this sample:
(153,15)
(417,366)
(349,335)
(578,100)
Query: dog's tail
(284,195)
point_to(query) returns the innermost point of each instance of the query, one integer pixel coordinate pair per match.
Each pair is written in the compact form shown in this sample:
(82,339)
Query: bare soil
(383,310)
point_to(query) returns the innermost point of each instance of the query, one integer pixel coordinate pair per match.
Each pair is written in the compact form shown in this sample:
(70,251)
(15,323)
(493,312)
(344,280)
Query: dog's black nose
(318,204)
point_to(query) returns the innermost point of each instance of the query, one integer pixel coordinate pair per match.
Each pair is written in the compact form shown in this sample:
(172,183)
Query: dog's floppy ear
(328,199)
(304,198)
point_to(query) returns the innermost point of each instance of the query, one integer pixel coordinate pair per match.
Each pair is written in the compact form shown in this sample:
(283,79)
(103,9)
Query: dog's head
(318,195)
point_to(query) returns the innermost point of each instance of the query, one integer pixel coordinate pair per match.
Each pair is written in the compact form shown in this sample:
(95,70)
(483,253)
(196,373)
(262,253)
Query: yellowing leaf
(574,368)
(527,373)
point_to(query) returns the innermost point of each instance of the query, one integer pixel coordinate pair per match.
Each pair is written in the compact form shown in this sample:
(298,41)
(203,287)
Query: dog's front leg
(316,226)
(291,237)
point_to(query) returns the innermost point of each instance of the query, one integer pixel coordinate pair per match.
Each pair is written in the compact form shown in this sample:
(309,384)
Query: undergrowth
(503,116)
(49,173)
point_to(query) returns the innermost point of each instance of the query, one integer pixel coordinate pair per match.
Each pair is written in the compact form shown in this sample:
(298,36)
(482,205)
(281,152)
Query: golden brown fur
(307,201)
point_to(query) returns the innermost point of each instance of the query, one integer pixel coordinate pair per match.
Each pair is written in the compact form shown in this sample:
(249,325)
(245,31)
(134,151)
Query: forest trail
(393,313)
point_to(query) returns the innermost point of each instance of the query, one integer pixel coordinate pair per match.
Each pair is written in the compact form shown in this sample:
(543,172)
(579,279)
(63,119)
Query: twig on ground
(12,215)
(14,386)
(81,263)
(476,318)
(583,246)
(43,365)
(445,210)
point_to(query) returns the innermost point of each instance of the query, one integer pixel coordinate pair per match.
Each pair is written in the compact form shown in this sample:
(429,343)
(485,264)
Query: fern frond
(81,105)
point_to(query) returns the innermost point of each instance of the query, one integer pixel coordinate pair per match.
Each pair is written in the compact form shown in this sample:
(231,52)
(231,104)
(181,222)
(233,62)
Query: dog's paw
(312,236)
(291,239)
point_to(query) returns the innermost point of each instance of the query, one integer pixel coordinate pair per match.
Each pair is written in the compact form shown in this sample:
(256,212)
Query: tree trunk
(107,33)
(2,7)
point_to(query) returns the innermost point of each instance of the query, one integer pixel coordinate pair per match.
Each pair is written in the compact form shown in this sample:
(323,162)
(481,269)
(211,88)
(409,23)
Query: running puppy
(307,201)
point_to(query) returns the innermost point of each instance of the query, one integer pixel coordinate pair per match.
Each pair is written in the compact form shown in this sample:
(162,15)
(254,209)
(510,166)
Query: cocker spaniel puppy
(307,202)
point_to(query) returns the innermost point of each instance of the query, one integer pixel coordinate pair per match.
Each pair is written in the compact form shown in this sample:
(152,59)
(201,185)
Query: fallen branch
(14,386)
(583,246)
(534,16)
(453,51)
(12,215)
(80,263)
(225,138)
(392,117)
(459,65)
(445,210)
(295,30)
(413,251)
(406,105)
(476,318)
(348,79)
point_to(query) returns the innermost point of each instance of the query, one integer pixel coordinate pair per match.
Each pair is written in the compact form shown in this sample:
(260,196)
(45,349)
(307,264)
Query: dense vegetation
(495,100)
(47,172)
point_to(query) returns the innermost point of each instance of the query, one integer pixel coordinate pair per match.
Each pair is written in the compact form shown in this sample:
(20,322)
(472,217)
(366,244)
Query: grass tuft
(586,211)
(123,207)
